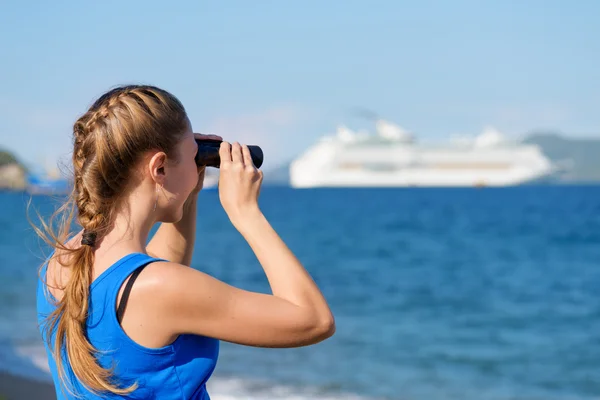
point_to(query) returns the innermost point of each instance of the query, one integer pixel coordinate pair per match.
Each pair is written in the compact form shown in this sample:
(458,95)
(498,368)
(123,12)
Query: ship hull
(416,179)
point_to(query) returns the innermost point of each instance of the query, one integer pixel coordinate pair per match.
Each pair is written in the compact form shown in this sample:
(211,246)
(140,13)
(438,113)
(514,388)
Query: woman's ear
(156,167)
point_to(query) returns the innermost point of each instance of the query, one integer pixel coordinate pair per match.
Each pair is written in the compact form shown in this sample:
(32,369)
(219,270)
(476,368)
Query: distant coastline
(585,166)
(15,176)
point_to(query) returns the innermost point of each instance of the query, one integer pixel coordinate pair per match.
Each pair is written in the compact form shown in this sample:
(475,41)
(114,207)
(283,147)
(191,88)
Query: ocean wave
(241,388)
(27,360)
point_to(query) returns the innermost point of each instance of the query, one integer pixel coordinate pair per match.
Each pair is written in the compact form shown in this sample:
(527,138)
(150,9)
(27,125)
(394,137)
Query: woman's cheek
(193,176)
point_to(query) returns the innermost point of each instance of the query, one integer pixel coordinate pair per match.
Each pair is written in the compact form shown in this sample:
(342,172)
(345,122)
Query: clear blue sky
(281,73)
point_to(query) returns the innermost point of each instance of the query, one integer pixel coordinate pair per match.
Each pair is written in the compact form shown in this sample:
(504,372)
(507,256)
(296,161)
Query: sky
(281,74)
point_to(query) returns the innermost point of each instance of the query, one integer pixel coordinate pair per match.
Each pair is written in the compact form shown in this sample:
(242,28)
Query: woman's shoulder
(168,279)
(170,288)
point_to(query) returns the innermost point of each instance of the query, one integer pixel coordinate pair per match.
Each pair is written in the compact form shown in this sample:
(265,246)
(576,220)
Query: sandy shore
(18,388)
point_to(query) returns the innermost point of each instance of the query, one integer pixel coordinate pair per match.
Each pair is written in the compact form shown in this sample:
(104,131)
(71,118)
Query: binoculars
(208,153)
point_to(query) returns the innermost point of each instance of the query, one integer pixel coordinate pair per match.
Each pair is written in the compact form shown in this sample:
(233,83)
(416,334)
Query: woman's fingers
(201,136)
(247,157)
(225,153)
(236,153)
(239,183)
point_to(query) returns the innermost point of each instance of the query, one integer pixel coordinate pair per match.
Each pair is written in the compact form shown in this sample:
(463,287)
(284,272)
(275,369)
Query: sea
(438,294)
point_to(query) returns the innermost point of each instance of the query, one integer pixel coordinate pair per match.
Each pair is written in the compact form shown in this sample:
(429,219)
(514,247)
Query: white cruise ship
(392,158)
(211,179)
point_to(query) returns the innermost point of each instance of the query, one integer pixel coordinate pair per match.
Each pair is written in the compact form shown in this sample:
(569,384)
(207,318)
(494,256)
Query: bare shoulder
(169,285)
(155,298)
(175,293)
(168,278)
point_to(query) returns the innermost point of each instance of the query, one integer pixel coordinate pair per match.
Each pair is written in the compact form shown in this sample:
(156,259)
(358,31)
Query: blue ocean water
(437,293)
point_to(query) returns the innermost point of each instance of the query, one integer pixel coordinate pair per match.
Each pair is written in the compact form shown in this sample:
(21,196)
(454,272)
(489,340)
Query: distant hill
(12,172)
(278,176)
(584,155)
(6,158)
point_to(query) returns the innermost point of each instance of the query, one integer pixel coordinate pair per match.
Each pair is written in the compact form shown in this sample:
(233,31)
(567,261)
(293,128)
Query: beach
(14,387)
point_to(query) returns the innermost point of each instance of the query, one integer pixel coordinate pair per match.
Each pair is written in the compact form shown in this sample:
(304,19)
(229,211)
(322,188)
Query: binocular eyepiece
(208,153)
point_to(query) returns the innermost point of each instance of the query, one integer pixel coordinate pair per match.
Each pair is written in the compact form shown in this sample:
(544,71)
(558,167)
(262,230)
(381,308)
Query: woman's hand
(202,169)
(239,182)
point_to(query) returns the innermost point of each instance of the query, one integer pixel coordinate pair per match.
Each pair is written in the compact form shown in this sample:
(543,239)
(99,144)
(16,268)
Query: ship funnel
(489,137)
(392,131)
(345,134)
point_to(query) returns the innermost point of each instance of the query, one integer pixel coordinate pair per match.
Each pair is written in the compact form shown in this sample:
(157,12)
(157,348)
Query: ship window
(374,166)
(370,166)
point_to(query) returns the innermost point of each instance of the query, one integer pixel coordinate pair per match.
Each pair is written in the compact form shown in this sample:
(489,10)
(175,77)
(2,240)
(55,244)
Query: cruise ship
(391,157)
(211,179)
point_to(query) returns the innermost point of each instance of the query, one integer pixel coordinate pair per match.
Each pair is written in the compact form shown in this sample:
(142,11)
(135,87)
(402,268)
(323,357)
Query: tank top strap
(116,274)
(104,291)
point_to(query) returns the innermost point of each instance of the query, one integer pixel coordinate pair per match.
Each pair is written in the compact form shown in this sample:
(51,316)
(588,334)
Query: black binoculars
(208,153)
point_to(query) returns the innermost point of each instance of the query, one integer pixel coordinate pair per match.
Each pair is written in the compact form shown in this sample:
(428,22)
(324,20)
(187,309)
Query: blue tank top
(177,371)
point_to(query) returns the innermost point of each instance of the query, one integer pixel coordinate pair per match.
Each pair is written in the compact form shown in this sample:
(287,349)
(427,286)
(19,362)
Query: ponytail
(65,327)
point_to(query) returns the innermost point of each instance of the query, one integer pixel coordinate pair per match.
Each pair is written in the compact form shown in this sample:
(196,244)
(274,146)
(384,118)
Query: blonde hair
(108,141)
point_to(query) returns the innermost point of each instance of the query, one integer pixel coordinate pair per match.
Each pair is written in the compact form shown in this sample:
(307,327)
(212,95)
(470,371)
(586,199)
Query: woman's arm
(175,241)
(178,300)
(187,301)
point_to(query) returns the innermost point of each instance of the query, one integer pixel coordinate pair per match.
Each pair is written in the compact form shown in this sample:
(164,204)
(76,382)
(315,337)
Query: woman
(108,337)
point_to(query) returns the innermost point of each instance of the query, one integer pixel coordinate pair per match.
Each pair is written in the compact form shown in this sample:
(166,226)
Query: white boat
(211,179)
(392,158)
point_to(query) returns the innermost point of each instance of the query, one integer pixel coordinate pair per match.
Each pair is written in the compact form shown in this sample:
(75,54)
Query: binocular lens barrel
(208,153)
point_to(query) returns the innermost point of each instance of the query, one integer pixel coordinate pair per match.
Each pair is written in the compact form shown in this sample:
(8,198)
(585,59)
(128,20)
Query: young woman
(120,318)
